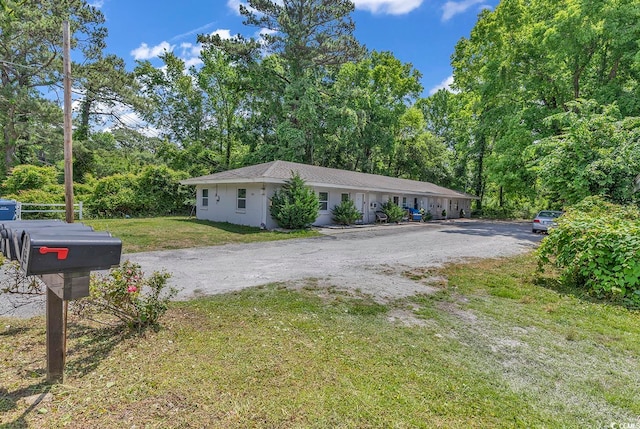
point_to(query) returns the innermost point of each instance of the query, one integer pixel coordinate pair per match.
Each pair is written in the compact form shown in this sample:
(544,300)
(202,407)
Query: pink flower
(132,289)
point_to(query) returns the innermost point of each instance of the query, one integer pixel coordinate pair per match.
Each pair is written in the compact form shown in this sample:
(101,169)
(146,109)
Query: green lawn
(160,233)
(496,347)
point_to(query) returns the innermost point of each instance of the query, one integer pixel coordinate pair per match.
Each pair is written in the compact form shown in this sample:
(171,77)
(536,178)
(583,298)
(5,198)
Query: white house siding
(223,204)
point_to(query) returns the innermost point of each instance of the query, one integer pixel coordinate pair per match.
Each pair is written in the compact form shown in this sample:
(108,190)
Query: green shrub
(597,246)
(296,205)
(394,212)
(27,177)
(346,213)
(159,190)
(115,195)
(127,295)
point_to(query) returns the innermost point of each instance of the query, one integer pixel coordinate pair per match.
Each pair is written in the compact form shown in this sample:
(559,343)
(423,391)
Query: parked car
(544,220)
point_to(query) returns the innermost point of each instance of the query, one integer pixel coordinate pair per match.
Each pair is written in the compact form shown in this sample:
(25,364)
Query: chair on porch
(381,217)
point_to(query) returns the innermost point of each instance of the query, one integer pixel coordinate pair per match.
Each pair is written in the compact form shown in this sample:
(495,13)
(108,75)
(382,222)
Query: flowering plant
(126,293)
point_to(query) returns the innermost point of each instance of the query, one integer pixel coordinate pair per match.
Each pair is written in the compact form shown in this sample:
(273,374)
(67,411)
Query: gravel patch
(370,260)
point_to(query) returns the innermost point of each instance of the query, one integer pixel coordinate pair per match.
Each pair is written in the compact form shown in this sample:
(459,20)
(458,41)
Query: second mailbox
(47,254)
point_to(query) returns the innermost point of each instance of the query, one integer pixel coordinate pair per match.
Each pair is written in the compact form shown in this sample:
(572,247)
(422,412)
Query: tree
(526,61)
(221,81)
(106,87)
(295,205)
(345,213)
(450,117)
(309,36)
(598,153)
(419,154)
(175,104)
(368,98)
(30,42)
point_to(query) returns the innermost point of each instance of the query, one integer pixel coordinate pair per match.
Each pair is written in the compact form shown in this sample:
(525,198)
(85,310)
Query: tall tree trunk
(479,184)
(10,137)
(82,133)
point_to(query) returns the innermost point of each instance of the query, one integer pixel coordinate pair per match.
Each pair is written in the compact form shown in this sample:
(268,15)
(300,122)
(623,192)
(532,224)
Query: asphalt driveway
(369,259)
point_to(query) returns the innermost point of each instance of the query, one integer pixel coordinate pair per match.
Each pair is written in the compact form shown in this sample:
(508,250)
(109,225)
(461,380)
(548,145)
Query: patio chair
(381,217)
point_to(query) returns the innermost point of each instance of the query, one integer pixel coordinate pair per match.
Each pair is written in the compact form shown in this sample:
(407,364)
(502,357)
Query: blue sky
(420,32)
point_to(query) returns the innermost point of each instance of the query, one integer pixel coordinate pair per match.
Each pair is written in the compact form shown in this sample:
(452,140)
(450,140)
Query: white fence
(77,208)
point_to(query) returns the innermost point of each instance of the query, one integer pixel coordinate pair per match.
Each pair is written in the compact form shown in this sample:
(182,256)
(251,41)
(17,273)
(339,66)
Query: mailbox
(16,235)
(69,252)
(6,233)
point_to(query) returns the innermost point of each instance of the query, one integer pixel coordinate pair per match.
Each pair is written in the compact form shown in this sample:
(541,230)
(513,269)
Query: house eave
(276,181)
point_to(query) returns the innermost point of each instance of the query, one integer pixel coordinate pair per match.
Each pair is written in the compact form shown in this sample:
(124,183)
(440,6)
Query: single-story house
(242,196)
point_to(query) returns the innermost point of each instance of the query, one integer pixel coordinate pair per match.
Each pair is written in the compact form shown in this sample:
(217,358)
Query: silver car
(544,220)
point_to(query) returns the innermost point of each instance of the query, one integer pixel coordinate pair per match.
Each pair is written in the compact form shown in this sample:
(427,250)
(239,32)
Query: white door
(360,204)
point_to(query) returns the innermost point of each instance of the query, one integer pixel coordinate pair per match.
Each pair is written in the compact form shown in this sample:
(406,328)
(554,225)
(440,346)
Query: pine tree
(296,205)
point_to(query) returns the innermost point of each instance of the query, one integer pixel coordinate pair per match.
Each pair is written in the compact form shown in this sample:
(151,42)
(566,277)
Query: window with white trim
(344,197)
(205,198)
(323,198)
(242,199)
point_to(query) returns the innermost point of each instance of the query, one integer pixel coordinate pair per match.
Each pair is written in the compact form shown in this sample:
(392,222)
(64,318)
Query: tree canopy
(542,113)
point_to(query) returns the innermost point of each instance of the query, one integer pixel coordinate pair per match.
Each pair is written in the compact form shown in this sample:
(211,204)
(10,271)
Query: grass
(496,347)
(159,233)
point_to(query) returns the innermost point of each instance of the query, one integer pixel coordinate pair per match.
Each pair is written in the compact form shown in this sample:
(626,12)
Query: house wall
(222,204)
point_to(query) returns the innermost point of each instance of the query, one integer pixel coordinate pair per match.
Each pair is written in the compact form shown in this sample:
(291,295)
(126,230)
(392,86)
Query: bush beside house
(295,205)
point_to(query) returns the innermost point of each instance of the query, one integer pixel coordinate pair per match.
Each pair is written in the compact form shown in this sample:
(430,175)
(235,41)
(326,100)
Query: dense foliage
(295,205)
(154,191)
(345,213)
(544,113)
(597,247)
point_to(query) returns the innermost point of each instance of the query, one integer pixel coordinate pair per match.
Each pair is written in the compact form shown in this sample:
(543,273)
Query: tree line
(543,112)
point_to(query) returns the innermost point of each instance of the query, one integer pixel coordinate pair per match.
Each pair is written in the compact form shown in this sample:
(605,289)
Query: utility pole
(68,152)
(56,306)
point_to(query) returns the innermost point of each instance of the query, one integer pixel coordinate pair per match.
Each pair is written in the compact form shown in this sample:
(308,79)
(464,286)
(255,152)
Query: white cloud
(445,84)
(188,52)
(224,34)
(452,8)
(144,52)
(234,5)
(97,3)
(391,7)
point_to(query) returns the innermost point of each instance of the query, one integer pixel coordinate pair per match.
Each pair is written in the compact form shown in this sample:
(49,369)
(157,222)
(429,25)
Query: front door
(360,203)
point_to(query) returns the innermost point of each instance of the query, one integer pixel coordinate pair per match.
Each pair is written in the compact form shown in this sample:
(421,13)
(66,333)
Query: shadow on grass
(92,345)
(576,292)
(15,330)
(9,401)
(238,229)
(224,226)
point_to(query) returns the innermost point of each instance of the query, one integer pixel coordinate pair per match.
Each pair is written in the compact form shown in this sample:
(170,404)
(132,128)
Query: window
(396,200)
(404,202)
(242,199)
(205,198)
(344,197)
(323,198)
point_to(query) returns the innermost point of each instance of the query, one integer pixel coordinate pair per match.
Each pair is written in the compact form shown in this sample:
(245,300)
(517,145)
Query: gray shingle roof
(280,171)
